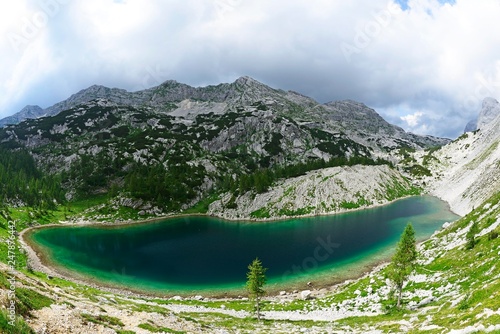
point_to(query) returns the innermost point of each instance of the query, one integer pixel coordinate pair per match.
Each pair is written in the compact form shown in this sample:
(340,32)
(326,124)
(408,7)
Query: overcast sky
(424,65)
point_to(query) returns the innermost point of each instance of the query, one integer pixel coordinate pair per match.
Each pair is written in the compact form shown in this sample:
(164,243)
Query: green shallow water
(188,254)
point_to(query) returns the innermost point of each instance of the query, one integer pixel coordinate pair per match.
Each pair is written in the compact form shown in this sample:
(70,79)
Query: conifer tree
(471,235)
(403,261)
(256,278)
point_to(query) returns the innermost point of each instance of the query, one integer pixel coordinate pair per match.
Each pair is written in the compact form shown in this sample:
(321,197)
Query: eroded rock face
(490,110)
(328,190)
(466,172)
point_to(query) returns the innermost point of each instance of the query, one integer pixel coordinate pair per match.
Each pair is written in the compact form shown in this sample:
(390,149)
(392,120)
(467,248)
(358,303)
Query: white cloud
(413,119)
(440,60)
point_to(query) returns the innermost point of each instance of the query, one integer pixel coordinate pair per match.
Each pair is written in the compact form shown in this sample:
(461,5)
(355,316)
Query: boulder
(306,294)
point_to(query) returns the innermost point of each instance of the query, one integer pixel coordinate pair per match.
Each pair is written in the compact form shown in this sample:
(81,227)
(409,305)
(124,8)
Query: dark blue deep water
(202,253)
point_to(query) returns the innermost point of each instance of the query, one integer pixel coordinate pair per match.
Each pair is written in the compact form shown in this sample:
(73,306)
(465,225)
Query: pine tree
(471,235)
(403,260)
(256,278)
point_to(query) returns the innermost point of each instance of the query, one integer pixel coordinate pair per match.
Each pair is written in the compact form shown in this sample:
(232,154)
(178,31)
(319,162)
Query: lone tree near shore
(403,262)
(256,278)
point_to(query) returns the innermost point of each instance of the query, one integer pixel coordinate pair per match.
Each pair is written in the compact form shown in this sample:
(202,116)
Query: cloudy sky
(425,65)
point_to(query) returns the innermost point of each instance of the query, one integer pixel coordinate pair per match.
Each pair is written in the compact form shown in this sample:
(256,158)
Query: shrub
(471,235)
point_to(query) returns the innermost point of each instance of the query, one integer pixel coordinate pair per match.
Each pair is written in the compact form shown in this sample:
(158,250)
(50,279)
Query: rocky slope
(328,190)
(467,171)
(174,145)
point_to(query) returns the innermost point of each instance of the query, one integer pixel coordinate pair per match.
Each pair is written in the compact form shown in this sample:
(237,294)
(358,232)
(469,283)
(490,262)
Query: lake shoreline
(38,261)
(108,224)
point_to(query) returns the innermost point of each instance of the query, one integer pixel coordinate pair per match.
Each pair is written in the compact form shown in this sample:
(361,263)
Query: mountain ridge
(243,91)
(235,137)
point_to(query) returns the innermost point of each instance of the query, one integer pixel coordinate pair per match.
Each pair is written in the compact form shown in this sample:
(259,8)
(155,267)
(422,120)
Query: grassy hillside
(453,288)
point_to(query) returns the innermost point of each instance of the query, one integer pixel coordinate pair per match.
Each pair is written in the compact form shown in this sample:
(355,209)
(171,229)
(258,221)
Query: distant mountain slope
(173,145)
(26,113)
(467,171)
(354,119)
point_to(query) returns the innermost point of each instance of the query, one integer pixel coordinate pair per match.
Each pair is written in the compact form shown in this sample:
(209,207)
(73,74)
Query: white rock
(426,301)
(305,294)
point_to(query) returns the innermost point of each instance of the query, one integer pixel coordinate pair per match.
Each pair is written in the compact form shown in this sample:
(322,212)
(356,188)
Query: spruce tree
(403,261)
(471,235)
(256,278)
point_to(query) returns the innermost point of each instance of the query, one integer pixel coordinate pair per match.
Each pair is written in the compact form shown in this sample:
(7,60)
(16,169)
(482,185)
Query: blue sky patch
(404,3)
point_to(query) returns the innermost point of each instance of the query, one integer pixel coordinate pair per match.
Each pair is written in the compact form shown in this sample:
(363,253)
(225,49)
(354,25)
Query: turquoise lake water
(191,254)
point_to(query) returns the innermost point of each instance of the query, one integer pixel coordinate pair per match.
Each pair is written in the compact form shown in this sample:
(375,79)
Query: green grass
(202,206)
(354,205)
(19,326)
(484,155)
(397,189)
(29,300)
(104,320)
(296,212)
(236,305)
(260,213)
(156,329)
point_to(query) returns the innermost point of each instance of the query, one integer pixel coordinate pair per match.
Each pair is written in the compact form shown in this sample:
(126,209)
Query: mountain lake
(184,255)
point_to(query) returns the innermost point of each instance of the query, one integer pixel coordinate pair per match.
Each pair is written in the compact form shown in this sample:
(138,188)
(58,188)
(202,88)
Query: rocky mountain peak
(471,126)
(30,109)
(28,112)
(490,110)
(246,81)
(169,83)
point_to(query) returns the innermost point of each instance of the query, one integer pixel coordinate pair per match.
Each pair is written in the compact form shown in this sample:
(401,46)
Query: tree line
(23,183)
(260,180)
